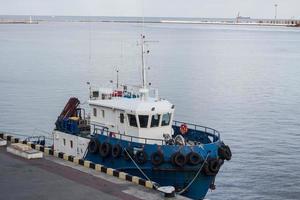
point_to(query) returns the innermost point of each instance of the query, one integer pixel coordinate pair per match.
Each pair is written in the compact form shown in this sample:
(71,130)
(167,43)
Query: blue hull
(179,179)
(166,174)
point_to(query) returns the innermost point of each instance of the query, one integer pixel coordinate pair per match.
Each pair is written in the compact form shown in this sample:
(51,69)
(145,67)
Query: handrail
(195,126)
(114,134)
(27,137)
(104,129)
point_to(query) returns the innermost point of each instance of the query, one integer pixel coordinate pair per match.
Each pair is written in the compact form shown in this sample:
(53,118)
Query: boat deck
(53,178)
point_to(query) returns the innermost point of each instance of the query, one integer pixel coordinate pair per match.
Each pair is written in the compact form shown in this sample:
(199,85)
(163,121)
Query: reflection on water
(243,81)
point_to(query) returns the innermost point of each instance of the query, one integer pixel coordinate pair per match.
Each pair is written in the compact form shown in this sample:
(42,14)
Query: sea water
(241,80)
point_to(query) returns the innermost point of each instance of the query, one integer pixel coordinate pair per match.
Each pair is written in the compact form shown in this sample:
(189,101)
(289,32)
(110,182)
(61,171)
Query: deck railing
(104,131)
(99,128)
(209,131)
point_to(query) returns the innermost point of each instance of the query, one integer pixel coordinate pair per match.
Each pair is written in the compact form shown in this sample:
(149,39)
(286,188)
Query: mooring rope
(192,181)
(154,185)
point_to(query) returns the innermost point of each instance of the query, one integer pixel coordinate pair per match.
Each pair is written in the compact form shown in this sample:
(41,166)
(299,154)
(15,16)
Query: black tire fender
(178,159)
(212,167)
(93,146)
(116,151)
(194,158)
(141,157)
(224,152)
(105,149)
(157,158)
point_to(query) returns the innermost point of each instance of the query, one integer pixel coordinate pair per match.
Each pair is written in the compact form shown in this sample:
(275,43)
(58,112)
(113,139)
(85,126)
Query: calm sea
(241,80)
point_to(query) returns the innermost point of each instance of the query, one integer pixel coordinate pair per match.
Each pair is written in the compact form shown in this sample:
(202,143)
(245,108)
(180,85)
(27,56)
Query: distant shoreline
(203,21)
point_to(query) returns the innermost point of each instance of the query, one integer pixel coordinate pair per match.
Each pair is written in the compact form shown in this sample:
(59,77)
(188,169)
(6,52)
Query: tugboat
(130,130)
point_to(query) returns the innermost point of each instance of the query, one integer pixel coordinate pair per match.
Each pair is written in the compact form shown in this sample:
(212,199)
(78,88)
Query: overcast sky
(157,8)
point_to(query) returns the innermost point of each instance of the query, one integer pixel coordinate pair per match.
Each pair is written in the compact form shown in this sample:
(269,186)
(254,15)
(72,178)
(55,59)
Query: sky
(154,8)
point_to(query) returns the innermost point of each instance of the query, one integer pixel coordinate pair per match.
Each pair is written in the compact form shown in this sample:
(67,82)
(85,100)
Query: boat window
(103,113)
(155,120)
(64,141)
(71,144)
(143,121)
(132,120)
(95,112)
(121,118)
(166,119)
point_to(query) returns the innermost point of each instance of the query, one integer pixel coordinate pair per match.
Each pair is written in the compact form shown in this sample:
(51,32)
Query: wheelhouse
(130,114)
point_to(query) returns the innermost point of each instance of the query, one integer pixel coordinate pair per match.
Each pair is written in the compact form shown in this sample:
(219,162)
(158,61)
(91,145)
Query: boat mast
(144,89)
(144,77)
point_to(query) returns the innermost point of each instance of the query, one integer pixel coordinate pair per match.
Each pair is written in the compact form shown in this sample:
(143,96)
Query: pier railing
(30,138)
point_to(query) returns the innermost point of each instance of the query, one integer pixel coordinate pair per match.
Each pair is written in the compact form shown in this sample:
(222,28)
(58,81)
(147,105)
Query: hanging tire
(141,157)
(130,151)
(178,159)
(224,152)
(194,158)
(105,149)
(116,151)
(94,145)
(157,158)
(211,167)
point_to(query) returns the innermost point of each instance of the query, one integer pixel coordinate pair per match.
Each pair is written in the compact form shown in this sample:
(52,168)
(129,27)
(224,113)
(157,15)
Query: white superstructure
(147,118)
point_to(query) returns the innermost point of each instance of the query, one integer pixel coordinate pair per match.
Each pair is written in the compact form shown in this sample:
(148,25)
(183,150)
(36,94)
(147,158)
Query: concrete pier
(54,178)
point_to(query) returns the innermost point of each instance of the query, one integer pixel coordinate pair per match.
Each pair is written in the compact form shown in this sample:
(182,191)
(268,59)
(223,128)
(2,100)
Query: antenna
(276,5)
(143,18)
(144,77)
(90,43)
(117,78)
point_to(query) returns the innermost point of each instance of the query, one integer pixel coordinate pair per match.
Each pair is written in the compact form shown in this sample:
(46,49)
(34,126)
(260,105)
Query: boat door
(121,122)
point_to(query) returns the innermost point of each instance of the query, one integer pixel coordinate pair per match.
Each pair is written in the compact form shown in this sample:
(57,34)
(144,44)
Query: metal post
(117,79)
(276,5)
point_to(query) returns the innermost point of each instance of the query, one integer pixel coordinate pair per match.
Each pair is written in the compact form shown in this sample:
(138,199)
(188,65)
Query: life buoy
(157,158)
(93,146)
(105,149)
(194,158)
(129,151)
(183,129)
(212,167)
(141,156)
(224,152)
(178,159)
(116,151)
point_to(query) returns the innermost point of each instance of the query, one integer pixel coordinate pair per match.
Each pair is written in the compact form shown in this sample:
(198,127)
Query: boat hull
(179,179)
(167,174)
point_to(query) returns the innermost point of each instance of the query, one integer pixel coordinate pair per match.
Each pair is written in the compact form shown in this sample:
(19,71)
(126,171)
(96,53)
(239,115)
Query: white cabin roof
(134,105)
